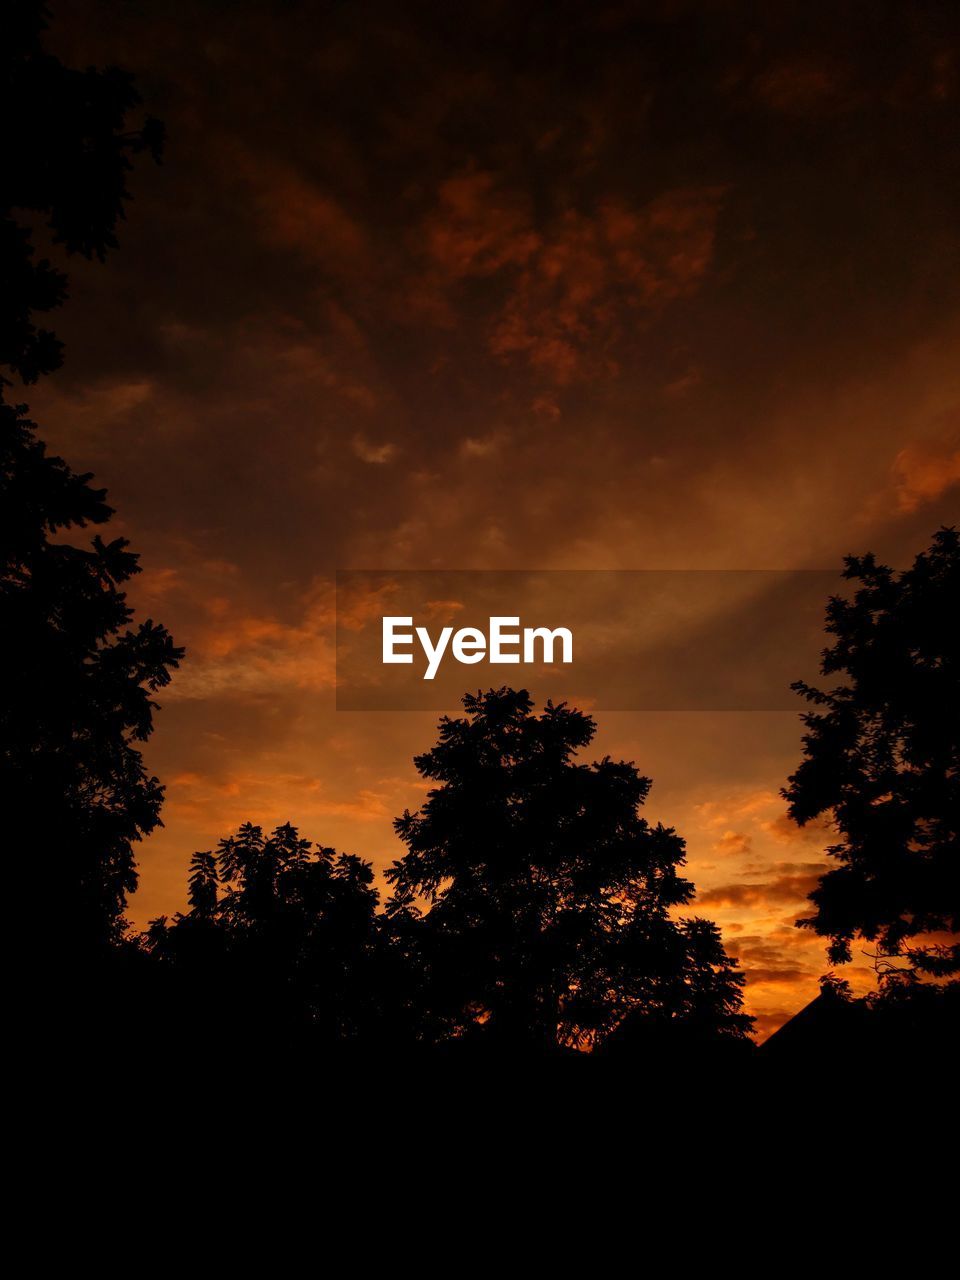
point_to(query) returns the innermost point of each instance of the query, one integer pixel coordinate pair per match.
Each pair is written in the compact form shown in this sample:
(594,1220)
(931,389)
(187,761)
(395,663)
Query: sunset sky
(497,286)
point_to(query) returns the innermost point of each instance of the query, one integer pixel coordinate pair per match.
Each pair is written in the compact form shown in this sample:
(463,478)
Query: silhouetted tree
(202,883)
(550,897)
(882,759)
(76,694)
(76,680)
(280,934)
(67,152)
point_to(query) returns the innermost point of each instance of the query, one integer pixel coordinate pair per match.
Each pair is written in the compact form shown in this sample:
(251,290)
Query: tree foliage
(549,898)
(68,150)
(77,680)
(882,760)
(280,933)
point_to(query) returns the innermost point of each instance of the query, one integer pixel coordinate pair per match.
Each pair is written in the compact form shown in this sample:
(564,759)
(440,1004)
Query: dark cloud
(625,285)
(792,886)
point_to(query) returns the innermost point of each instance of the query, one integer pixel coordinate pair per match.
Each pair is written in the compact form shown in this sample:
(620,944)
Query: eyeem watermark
(502,643)
(609,640)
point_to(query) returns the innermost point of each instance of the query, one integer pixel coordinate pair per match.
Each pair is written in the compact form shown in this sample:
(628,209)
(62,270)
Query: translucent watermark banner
(608,640)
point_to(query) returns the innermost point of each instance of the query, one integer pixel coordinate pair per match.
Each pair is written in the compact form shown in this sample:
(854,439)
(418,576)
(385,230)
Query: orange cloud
(733,842)
(297,213)
(234,648)
(799,87)
(756,896)
(477,228)
(923,471)
(374,454)
(568,287)
(791,887)
(569,307)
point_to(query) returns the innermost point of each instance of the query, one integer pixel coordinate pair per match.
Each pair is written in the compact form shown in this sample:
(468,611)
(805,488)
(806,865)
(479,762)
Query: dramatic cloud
(640,287)
(925,471)
(791,888)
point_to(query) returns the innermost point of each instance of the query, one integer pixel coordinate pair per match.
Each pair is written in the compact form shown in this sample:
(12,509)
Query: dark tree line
(278,940)
(533,911)
(536,909)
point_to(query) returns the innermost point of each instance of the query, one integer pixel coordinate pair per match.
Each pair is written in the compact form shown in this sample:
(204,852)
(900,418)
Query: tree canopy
(68,149)
(78,679)
(881,758)
(537,900)
(279,936)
